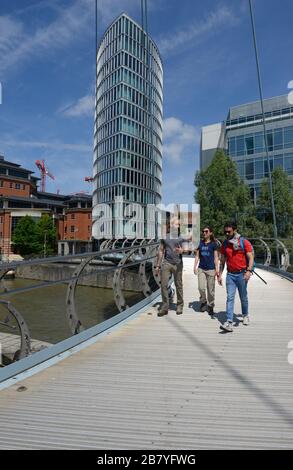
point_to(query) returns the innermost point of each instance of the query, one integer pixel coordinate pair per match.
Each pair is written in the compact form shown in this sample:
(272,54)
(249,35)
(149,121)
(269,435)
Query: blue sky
(47,54)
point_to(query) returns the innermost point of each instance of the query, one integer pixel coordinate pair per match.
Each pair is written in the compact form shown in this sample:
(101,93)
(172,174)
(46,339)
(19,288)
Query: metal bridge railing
(39,319)
(266,252)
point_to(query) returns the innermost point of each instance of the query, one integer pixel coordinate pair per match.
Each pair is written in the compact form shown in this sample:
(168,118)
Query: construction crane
(44,173)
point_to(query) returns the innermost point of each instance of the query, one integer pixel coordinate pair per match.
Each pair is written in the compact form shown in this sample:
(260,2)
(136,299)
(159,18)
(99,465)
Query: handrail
(137,256)
(22,290)
(280,244)
(56,259)
(279,272)
(285,257)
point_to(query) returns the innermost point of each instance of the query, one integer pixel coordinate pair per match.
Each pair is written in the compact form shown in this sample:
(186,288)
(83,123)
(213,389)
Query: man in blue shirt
(206,265)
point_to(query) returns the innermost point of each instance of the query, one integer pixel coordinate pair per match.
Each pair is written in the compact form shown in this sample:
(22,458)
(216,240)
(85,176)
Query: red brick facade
(78,224)
(13,187)
(19,197)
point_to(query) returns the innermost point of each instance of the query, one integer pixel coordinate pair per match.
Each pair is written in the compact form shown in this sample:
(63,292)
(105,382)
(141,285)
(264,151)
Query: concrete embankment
(93,275)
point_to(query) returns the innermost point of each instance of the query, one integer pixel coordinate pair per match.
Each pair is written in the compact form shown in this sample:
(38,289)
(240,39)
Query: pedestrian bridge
(172,382)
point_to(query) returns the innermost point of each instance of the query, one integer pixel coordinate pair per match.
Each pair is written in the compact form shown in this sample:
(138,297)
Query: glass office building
(128,122)
(242,137)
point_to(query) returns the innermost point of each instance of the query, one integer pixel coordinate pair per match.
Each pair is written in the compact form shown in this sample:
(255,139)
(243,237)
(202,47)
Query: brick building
(19,196)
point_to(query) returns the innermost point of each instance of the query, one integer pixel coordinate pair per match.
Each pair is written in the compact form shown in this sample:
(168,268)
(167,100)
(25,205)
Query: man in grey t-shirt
(170,252)
(171,245)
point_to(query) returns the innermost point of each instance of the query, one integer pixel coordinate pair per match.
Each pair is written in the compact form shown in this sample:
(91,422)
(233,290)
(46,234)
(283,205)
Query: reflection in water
(45,313)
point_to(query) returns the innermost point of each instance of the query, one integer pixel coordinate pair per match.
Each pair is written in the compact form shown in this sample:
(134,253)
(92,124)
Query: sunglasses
(228,232)
(205,231)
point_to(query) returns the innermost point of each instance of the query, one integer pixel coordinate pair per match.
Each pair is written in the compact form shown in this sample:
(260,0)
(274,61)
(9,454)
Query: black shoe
(161,313)
(203,307)
(179,312)
(211,311)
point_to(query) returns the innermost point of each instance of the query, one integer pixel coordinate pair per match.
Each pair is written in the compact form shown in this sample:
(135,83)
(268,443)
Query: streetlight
(74,242)
(264,128)
(45,243)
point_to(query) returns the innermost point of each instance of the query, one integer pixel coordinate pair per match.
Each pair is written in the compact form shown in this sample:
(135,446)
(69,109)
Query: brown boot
(161,313)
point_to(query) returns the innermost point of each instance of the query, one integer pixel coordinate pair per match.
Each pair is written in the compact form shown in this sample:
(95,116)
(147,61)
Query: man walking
(170,262)
(237,252)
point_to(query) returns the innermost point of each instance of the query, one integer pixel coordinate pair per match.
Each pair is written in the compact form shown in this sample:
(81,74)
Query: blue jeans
(234,281)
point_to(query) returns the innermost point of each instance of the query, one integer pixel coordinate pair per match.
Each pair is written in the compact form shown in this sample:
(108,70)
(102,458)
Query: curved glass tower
(128,122)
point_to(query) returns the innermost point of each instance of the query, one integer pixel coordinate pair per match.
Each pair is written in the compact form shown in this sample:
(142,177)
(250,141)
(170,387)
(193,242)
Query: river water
(44,309)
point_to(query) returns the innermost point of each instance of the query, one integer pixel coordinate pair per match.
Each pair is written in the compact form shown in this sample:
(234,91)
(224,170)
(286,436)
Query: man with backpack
(237,253)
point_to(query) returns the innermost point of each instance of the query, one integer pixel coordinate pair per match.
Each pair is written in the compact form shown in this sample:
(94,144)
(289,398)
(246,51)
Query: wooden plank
(171,382)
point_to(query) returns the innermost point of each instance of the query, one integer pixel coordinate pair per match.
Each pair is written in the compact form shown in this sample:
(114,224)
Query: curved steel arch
(71,312)
(25,341)
(125,242)
(268,253)
(72,317)
(104,245)
(135,242)
(118,294)
(156,276)
(110,244)
(2,281)
(146,289)
(286,259)
(107,245)
(117,240)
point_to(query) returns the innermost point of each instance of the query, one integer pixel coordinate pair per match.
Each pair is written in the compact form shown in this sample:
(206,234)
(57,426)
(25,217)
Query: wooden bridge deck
(167,383)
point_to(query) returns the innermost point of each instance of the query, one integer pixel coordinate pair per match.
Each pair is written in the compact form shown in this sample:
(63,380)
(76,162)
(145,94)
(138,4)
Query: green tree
(223,196)
(46,236)
(283,196)
(24,236)
(31,238)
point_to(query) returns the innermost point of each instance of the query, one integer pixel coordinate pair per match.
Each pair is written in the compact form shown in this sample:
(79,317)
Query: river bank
(92,276)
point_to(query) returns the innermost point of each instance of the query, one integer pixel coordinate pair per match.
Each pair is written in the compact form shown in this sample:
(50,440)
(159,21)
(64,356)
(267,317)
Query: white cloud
(220,17)
(83,107)
(72,23)
(49,145)
(180,140)
(11,34)
(19,45)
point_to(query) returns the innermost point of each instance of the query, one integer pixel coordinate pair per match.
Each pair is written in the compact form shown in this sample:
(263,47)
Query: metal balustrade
(268,247)
(265,250)
(20,351)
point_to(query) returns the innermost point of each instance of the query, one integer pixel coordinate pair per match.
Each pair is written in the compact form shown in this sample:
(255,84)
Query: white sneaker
(246,320)
(228,326)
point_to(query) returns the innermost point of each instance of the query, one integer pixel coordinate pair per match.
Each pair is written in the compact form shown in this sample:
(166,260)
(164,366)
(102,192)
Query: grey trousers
(206,286)
(167,270)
